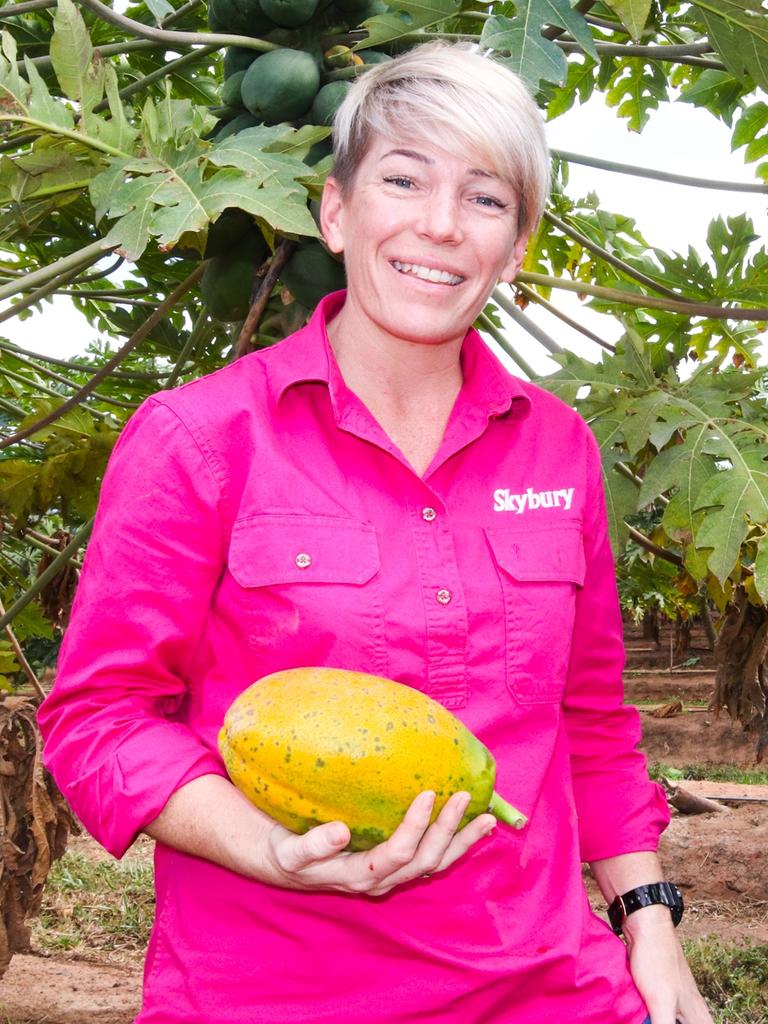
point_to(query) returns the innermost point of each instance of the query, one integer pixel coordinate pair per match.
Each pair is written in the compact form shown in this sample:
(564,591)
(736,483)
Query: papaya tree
(160,166)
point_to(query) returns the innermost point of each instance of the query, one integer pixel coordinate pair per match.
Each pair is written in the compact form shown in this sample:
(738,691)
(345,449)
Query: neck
(390,373)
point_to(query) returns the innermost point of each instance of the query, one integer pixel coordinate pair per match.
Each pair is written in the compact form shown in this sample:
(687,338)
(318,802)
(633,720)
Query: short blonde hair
(453,97)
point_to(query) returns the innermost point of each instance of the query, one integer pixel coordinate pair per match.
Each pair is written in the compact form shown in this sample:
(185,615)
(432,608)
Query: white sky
(678,138)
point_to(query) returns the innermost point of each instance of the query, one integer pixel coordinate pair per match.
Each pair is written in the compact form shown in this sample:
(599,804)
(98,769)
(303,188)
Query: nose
(440,217)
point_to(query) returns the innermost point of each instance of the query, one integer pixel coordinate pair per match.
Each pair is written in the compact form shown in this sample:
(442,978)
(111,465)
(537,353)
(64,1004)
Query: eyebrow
(422,158)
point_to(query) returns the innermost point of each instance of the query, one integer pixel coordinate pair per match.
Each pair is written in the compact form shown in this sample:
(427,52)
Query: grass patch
(710,773)
(732,979)
(96,905)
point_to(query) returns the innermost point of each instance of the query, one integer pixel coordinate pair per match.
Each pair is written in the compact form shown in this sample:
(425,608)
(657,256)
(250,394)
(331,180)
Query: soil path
(717,859)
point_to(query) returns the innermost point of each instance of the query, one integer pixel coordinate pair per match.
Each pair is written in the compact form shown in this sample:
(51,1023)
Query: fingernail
(337,835)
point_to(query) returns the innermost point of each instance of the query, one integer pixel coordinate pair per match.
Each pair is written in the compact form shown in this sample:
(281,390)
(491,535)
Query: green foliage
(526,50)
(129,148)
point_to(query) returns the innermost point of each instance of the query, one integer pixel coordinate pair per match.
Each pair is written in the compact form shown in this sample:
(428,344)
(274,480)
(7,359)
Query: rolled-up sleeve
(152,564)
(619,809)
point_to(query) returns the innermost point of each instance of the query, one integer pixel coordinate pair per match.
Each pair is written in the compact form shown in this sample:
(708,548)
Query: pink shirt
(488,584)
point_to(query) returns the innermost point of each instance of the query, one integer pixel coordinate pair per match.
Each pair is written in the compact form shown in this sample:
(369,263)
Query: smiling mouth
(431,274)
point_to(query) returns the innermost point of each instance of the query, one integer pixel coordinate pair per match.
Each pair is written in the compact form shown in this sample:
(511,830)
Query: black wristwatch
(646,896)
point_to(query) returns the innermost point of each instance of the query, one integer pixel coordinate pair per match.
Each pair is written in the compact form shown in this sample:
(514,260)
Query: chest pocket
(309,591)
(540,570)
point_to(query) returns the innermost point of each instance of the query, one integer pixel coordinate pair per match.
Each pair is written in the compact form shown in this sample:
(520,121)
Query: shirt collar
(308,357)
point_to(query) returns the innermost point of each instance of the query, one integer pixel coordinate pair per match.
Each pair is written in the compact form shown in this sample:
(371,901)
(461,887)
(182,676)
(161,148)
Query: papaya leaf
(72,58)
(246,151)
(297,142)
(636,88)
(404,17)
(761,568)
(738,30)
(751,131)
(579,85)
(719,92)
(529,53)
(620,503)
(731,498)
(18,478)
(633,14)
(159,9)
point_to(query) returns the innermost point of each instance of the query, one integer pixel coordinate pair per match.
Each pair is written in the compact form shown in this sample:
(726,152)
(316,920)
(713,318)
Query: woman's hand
(660,971)
(317,859)
(208,817)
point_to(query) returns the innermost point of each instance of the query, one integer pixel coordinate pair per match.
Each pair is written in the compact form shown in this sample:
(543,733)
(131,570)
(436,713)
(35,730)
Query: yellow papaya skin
(313,745)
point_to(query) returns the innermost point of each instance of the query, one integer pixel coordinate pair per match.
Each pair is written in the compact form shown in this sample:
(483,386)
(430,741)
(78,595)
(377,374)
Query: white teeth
(427,273)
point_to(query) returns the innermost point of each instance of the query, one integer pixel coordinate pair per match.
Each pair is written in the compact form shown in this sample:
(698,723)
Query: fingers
(295,853)
(417,848)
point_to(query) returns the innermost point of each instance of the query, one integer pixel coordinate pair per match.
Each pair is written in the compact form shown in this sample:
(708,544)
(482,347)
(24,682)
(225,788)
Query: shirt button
(428,514)
(303,560)
(443,596)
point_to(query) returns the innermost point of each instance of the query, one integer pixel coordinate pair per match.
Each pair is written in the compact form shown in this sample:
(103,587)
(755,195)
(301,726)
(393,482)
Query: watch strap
(664,893)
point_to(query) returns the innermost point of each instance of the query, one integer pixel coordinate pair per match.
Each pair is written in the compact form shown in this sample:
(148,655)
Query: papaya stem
(505,812)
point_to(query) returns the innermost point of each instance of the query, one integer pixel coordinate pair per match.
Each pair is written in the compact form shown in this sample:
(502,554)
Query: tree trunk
(741,678)
(651,626)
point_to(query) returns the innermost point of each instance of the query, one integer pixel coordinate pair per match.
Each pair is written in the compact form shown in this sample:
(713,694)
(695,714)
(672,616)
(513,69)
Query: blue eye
(400,180)
(491,202)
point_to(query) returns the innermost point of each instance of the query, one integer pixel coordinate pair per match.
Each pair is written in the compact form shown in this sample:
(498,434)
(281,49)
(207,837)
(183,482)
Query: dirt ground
(718,859)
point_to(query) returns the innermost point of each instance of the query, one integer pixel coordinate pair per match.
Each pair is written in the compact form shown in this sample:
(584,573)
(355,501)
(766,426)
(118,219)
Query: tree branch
(154,76)
(11,10)
(161,35)
(46,289)
(9,346)
(504,344)
(48,574)
(52,375)
(138,336)
(256,312)
(704,309)
(526,323)
(607,257)
(28,670)
(647,172)
(55,270)
(533,296)
(644,542)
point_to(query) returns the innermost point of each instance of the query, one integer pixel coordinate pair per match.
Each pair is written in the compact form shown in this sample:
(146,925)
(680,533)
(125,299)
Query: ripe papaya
(313,745)
(312,273)
(327,102)
(280,85)
(289,13)
(341,57)
(241,17)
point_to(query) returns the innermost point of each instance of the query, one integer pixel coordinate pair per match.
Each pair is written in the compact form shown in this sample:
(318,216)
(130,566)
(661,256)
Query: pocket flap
(553,553)
(273,548)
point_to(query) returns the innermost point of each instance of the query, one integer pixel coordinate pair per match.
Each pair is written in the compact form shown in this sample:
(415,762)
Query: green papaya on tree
(230,91)
(280,85)
(312,273)
(234,232)
(327,102)
(289,13)
(237,124)
(238,58)
(226,287)
(242,17)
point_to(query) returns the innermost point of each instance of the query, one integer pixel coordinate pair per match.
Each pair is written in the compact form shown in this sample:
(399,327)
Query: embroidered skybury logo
(504,501)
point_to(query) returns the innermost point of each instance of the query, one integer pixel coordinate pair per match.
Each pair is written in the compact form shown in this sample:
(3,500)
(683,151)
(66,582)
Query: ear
(332,216)
(509,273)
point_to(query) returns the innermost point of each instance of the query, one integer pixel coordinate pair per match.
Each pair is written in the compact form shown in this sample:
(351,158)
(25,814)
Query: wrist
(664,898)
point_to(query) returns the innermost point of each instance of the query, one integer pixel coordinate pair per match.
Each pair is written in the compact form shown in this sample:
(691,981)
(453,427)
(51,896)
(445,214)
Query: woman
(376,493)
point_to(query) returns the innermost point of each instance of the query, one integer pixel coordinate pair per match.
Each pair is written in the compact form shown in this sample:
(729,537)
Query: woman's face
(426,235)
